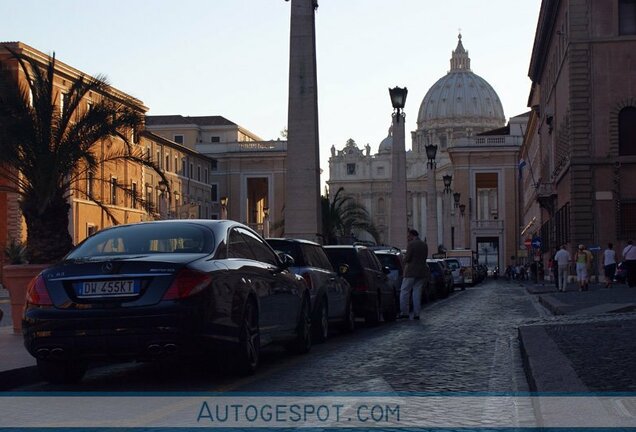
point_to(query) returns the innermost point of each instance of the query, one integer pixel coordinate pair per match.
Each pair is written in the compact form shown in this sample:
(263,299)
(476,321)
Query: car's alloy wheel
(67,371)
(374,316)
(321,329)
(302,343)
(390,313)
(249,347)
(349,321)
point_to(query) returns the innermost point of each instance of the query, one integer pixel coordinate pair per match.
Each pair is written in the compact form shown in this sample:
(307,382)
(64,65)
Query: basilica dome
(387,143)
(461,98)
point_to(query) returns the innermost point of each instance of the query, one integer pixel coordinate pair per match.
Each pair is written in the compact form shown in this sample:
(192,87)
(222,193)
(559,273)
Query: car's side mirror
(342,269)
(286,260)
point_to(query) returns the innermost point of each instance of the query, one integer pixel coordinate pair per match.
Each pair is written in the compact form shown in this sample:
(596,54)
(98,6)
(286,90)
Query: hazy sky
(230,57)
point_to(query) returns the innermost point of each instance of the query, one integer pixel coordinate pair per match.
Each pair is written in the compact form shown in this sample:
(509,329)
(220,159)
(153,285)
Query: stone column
(398,218)
(302,182)
(431,202)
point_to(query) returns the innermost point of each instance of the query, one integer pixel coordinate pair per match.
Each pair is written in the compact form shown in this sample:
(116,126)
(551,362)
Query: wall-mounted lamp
(456,197)
(462,209)
(447,183)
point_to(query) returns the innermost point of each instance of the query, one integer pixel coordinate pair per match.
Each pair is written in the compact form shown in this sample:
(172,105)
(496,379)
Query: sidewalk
(588,344)
(17,367)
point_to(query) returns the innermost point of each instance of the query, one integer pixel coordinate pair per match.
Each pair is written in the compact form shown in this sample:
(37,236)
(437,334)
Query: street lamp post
(431,223)
(398,217)
(266,222)
(462,210)
(163,211)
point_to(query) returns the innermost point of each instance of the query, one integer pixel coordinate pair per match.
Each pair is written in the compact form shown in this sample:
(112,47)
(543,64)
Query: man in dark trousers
(416,275)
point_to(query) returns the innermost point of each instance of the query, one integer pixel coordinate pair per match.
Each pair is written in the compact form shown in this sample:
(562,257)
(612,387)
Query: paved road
(466,343)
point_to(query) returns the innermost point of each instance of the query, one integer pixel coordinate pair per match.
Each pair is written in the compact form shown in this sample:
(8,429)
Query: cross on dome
(460,60)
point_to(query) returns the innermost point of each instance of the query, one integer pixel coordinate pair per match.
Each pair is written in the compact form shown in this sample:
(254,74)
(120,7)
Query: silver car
(456,269)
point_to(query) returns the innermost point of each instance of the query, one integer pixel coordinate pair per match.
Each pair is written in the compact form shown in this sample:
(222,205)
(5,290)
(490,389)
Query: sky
(230,57)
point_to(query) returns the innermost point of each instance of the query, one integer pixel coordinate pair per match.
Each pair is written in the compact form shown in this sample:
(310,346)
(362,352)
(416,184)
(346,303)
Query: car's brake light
(187,283)
(37,294)
(307,278)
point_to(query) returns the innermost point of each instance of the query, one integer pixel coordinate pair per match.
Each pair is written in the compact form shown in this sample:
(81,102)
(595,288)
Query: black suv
(330,293)
(374,297)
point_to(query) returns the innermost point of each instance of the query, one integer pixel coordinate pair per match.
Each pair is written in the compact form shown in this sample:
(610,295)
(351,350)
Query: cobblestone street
(466,343)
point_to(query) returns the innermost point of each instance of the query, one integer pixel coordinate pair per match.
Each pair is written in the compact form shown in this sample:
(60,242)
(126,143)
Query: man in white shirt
(609,264)
(563,258)
(629,256)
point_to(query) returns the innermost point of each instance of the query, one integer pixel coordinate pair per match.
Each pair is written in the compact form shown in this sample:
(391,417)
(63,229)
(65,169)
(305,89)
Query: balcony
(487,225)
(546,196)
(242,147)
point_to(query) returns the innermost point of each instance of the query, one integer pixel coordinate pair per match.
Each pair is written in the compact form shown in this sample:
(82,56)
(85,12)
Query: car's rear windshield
(151,238)
(389,260)
(289,248)
(339,256)
(453,264)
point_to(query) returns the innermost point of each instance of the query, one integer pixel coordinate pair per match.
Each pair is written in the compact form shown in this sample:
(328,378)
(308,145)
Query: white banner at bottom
(322,411)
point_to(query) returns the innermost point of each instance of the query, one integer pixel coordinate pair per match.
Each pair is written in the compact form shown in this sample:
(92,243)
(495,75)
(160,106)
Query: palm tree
(344,217)
(45,149)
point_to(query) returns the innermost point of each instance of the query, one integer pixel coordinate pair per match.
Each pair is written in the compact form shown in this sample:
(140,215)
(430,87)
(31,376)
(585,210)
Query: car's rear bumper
(139,334)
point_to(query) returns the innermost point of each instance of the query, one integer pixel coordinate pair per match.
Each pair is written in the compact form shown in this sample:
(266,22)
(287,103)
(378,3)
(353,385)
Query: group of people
(583,259)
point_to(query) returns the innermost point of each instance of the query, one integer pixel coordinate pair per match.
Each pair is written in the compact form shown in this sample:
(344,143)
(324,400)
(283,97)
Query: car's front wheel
(61,371)
(320,325)
(249,346)
(302,342)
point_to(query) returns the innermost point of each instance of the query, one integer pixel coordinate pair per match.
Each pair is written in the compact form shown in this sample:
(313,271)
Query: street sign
(527,243)
(536,242)
(594,248)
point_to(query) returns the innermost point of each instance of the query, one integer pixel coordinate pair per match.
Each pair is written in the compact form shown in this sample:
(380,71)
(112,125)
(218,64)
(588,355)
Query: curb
(547,368)
(18,377)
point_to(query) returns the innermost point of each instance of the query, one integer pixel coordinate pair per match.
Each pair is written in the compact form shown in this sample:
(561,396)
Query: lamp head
(398,97)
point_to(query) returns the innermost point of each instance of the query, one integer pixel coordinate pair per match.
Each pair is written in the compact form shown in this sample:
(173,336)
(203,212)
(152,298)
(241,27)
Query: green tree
(45,149)
(344,217)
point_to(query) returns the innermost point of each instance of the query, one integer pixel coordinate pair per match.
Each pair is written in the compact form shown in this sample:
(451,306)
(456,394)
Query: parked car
(329,291)
(455,267)
(392,259)
(441,282)
(374,297)
(155,289)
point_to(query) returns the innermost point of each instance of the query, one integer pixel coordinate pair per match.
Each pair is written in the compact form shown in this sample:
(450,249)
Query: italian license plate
(110,288)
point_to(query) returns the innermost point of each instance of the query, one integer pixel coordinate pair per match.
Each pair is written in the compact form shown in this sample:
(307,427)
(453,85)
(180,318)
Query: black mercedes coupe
(155,289)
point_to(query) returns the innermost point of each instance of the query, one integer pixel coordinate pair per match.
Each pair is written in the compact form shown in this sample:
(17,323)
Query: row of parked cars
(161,289)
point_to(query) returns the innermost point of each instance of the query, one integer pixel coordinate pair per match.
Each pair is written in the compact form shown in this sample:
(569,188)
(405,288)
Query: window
(351,169)
(627,219)
(215,139)
(214,165)
(198,173)
(627,17)
(133,195)
(205,176)
(183,167)
(90,229)
(261,251)
(178,139)
(113,190)
(63,101)
(89,184)
(627,132)
(148,194)
(158,160)
(176,165)
(167,167)
(191,170)
(381,171)
(214,193)
(237,247)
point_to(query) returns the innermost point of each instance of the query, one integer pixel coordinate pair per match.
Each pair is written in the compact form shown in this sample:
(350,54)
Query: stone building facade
(245,169)
(581,141)
(454,112)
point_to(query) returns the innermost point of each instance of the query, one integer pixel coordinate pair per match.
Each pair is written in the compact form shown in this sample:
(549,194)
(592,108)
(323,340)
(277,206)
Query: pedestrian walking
(583,260)
(609,264)
(629,258)
(554,267)
(563,258)
(416,275)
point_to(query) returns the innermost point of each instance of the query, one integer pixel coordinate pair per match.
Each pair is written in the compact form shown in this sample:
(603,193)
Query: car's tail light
(307,278)
(37,294)
(187,282)
(361,283)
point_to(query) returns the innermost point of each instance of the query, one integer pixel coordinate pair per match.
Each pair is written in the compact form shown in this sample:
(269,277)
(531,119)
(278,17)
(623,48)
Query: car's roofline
(293,240)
